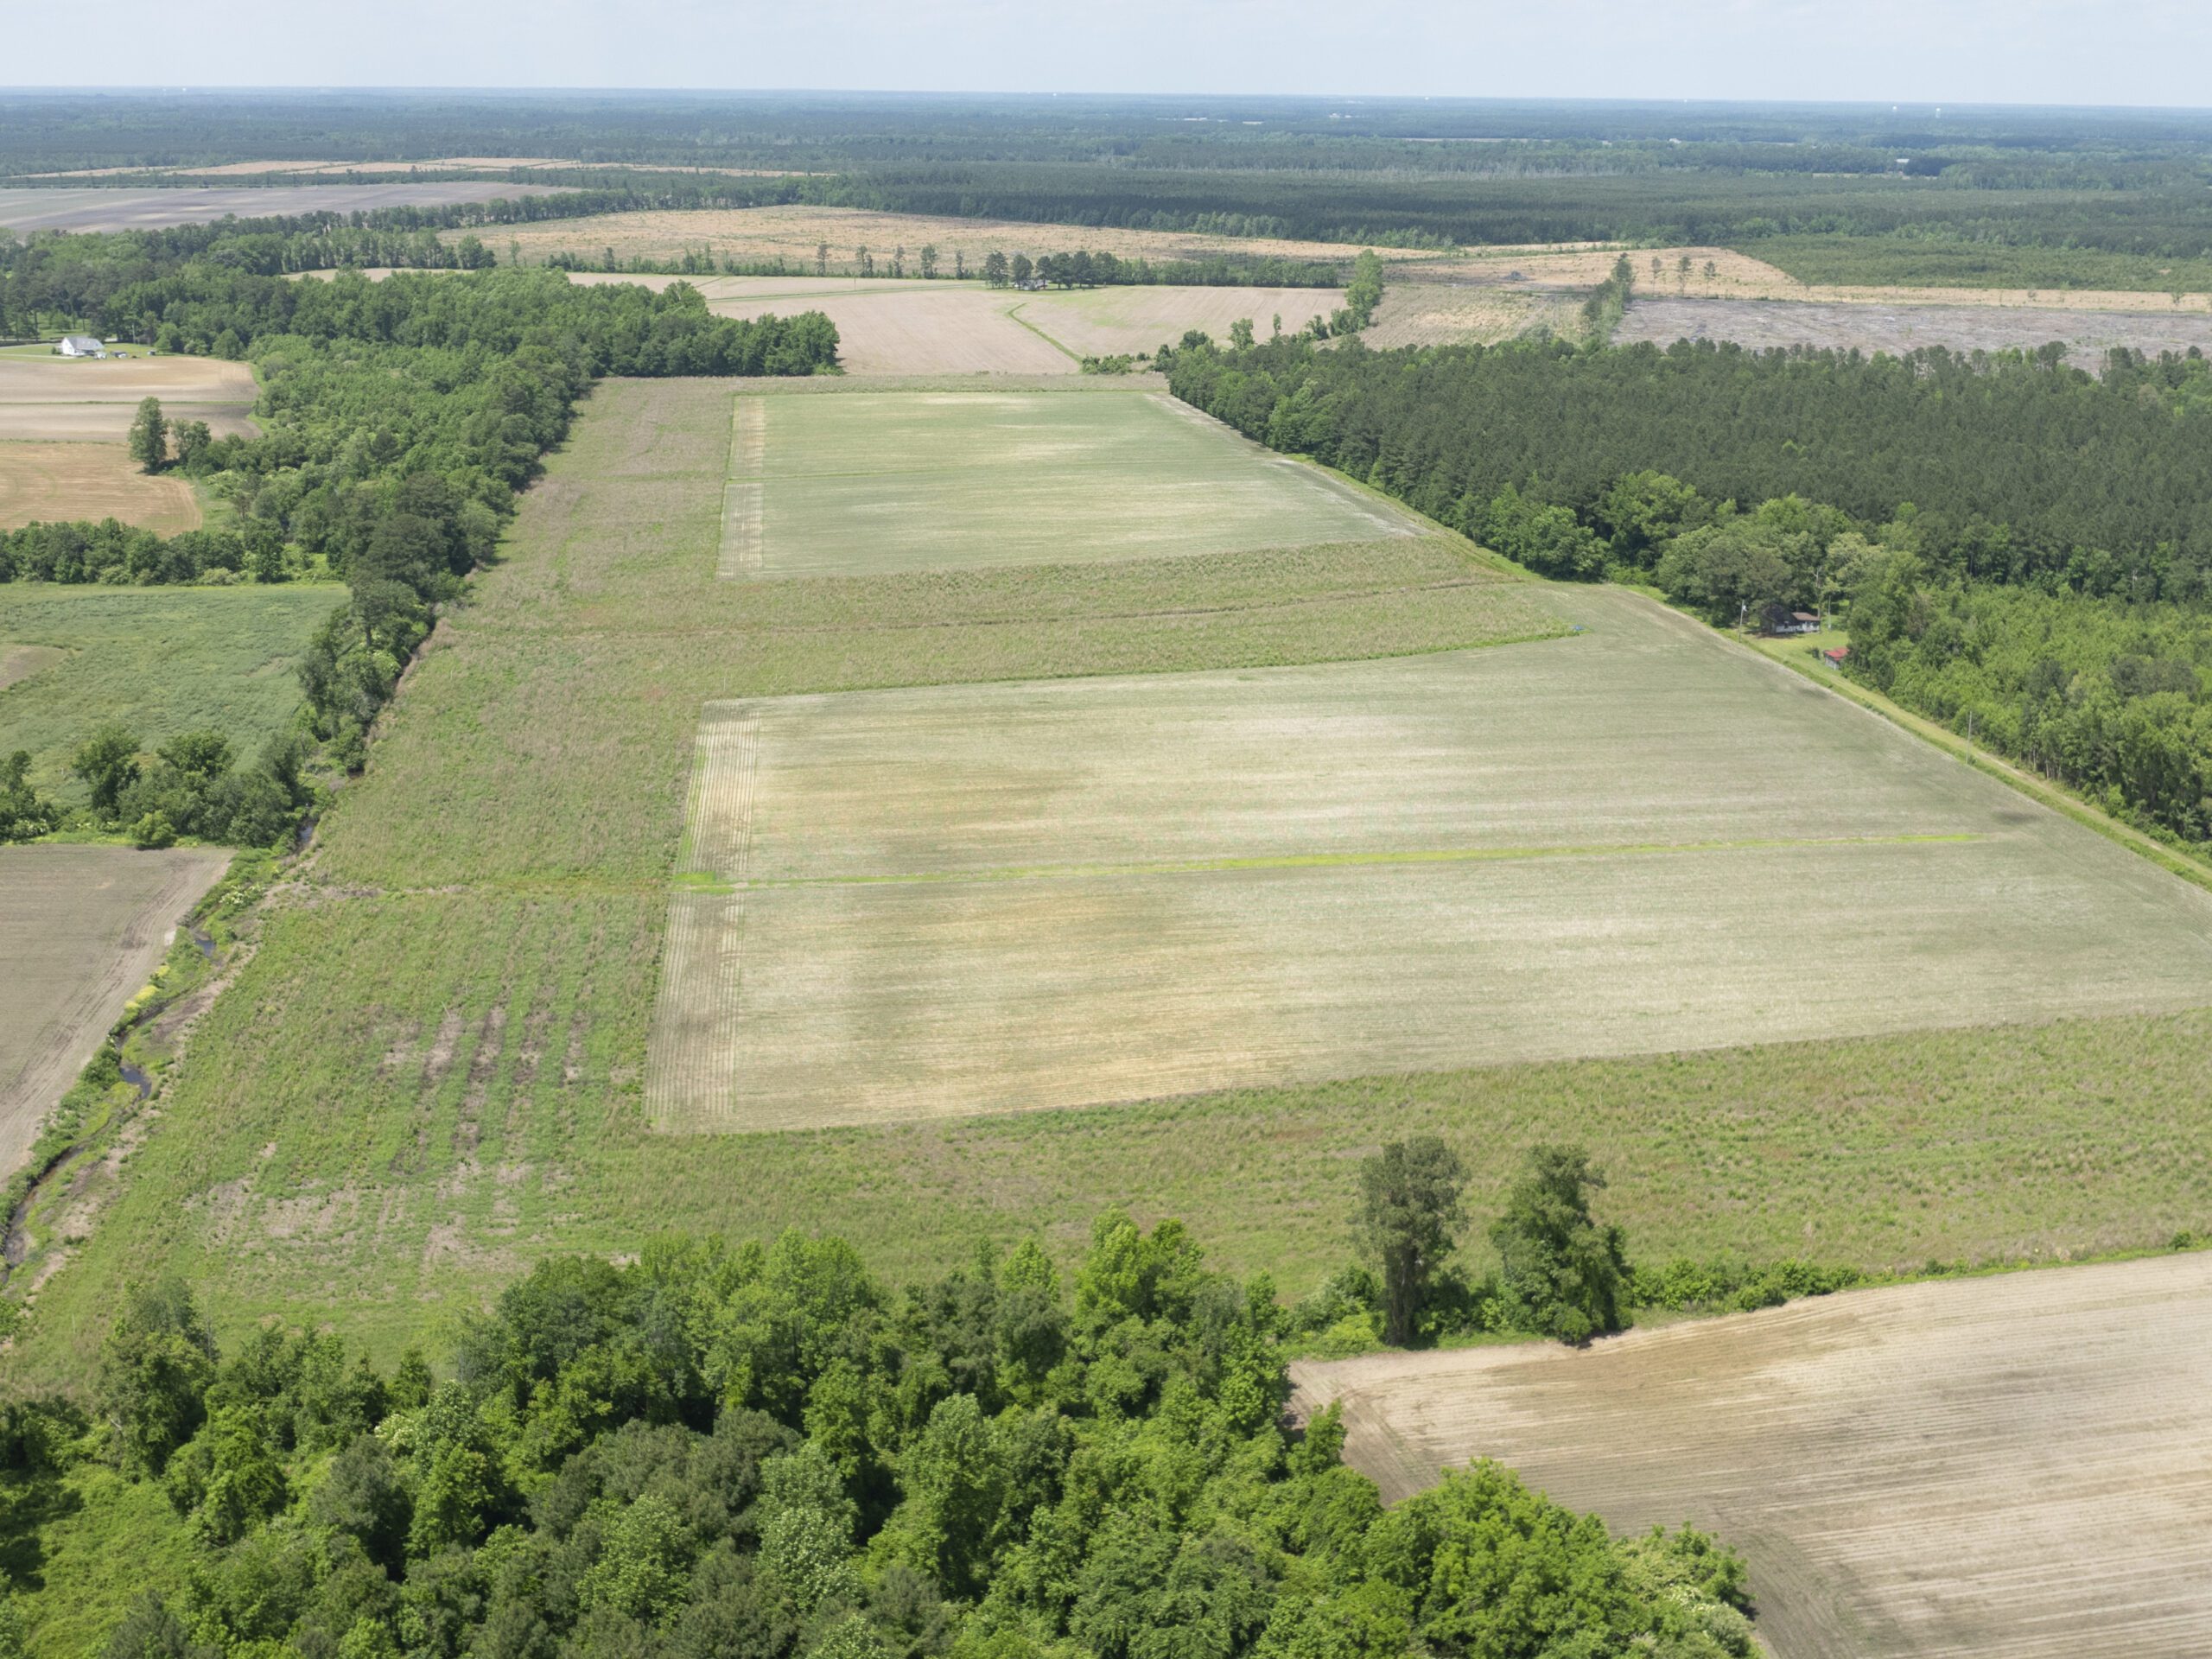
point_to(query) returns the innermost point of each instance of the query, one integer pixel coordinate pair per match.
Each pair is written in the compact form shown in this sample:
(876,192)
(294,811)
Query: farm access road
(2017,1466)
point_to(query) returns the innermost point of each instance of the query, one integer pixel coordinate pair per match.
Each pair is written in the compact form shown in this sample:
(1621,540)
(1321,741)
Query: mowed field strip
(1635,840)
(84,928)
(906,482)
(2010,1468)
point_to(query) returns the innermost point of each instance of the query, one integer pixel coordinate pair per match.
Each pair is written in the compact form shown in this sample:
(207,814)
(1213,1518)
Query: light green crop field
(432,1072)
(938,480)
(966,899)
(162,660)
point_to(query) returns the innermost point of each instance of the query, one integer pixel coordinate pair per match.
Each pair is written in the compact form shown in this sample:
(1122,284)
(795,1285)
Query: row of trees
(2022,470)
(1083,269)
(753,1452)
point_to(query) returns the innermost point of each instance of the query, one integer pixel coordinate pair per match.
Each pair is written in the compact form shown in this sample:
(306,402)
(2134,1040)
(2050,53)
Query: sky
(2135,52)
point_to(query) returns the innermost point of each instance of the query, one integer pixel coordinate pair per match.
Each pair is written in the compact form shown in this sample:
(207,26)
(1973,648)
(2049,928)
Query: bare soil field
(903,481)
(794,232)
(2017,1467)
(1739,276)
(20,662)
(61,481)
(120,208)
(84,926)
(93,400)
(907,904)
(439,164)
(1870,326)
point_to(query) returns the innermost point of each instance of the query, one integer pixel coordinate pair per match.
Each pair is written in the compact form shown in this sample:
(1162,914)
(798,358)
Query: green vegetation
(763,1450)
(165,661)
(1940,261)
(1408,1213)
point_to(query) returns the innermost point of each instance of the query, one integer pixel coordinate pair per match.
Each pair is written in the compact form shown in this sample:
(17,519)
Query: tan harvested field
(1870,326)
(61,481)
(439,164)
(907,904)
(2017,1467)
(124,379)
(120,208)
(907,481)
(793,233)
(71,400)
(85,927)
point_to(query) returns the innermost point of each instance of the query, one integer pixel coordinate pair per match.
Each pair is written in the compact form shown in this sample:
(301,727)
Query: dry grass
(2010,1467)
(1437,314)
(1102,322)
(61,481)
(84,926)
(438,164)
(793,233)
(968,899)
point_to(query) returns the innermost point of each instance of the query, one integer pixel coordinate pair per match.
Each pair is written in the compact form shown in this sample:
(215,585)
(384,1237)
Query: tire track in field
(691,1068)
(742,491)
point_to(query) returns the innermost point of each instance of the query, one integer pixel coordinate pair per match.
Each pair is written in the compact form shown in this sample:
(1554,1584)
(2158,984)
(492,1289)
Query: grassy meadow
(938,480)
(165,660)
(432,1071)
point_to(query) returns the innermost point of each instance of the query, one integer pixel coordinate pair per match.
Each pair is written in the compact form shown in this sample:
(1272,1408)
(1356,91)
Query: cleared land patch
(796,232)
(59,482)
(1102,322)
(112,208)
(84,926)
(917,481)
(162,660)
(971,899)
(1442,313)
(53,398)
(1872,326)
(2011,1467)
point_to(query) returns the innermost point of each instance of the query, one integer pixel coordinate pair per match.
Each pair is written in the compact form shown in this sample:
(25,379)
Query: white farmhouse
(81,345)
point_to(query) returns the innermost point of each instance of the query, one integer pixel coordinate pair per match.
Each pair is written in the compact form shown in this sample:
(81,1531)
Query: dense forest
(2018,545)
(401,417)
(751,1451)
(2116,198)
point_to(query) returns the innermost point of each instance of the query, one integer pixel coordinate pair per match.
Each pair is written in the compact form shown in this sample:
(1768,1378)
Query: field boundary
(1013,314)
(744,489)
(692,1049)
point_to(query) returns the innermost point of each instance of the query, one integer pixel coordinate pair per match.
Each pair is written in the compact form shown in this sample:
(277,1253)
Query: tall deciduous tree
(1565,1274)
(1410,1211)
(150,436)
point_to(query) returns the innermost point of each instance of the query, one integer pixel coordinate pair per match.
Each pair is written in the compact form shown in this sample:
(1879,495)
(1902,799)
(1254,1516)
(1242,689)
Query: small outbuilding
(81,345)
(1837,658)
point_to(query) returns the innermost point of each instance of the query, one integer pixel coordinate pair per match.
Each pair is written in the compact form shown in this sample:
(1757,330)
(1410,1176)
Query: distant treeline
(2021,469)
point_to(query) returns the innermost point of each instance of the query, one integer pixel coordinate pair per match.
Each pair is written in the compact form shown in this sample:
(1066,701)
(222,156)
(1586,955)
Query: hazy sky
(1992,51)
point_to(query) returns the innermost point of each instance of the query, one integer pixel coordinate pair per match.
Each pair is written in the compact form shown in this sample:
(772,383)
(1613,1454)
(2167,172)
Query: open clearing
(85,927)
(945,480)
(429,1074)
(58,398)
(795,232)
(163,660)
(2017,1467)
(1870,326)
(1100,321)
(61,481)
(912,903)
(121,209)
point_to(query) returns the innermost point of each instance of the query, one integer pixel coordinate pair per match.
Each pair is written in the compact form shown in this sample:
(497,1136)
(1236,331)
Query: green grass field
(162,660)
(938,480)
(433,1070)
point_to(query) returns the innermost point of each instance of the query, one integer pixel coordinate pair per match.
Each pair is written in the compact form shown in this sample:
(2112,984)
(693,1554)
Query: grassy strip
(1014,314)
